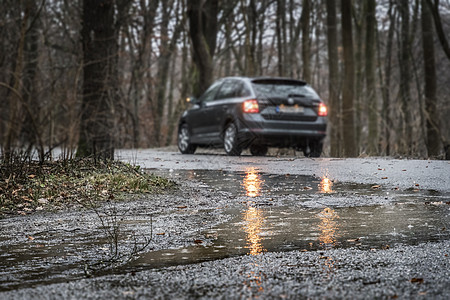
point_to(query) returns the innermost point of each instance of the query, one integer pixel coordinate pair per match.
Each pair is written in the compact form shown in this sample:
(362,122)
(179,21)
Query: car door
(218,108)
(200,117)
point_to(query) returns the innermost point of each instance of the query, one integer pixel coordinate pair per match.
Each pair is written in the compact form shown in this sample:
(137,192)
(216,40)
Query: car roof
(264,79)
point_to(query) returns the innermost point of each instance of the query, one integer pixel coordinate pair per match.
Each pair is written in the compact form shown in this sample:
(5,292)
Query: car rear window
(232,89)
(283,89)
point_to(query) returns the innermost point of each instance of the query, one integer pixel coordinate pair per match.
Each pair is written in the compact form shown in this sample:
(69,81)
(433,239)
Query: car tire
(258,150)
(314,149)
(184,140)
(230,140)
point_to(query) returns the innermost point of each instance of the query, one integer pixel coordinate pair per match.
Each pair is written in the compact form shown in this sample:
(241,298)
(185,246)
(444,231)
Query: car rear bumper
(254,128)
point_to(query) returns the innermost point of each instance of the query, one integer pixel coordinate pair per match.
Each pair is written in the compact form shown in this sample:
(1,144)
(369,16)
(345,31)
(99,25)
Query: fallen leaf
(30,238)
(416,280)
(42,200)
(353,240)
(384,178)
(404,170)
(25,198)
(417,184)
(307,188)
(182,207)
(31,176)
(376,186)
(161,233)
(198,241)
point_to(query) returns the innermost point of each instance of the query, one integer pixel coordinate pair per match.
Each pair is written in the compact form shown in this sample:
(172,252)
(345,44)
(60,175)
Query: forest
(92,76)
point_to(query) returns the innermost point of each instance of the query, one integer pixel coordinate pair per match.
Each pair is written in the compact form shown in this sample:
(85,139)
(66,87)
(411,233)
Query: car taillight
(323,110)
(250,106)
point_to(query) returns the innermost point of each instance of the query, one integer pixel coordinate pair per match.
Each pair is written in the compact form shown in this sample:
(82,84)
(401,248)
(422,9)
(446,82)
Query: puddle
(254,184)
(268,213)
(410,217)
(255,230)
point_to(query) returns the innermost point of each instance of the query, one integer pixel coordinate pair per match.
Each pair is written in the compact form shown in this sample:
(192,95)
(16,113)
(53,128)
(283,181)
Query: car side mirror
(192,100)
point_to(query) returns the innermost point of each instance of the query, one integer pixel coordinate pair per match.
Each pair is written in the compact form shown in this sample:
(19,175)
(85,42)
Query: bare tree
(306,41)
(434,7)
(99,52)
(432,116)
(333,83)
(348,125)
(405,79)
(370,78)
(203,31)
(386,84)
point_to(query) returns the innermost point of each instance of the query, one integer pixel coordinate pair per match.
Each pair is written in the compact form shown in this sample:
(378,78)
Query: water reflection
(252,182)
(328,227)
(325,185)
(253,222)
(253,217)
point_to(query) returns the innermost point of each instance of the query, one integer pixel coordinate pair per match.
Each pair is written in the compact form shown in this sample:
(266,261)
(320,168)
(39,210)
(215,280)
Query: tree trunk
(250,25)
(370,78)
(99,52)
(405,80)
(306,41)
(432,115)
(15,98)
(387,81)
(279,34)
(348,124)
(203,31)
(438,24)
(360,106)
(163,72)
(333,87)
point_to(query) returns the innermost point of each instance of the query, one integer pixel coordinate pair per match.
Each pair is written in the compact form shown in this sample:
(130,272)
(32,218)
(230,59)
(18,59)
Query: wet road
(250,227)
(401,173)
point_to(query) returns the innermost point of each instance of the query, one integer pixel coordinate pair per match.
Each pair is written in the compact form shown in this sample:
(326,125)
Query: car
(256,113)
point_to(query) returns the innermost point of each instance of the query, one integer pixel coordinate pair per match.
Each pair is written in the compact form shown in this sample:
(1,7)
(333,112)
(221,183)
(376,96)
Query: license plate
(290,109)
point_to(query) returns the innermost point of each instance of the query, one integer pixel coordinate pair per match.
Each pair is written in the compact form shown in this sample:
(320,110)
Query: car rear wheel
(313,149)
(258,150)
(184,140)
(230,140)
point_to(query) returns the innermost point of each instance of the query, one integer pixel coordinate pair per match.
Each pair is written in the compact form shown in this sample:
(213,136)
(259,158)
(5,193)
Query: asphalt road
(402,173)
(383,231)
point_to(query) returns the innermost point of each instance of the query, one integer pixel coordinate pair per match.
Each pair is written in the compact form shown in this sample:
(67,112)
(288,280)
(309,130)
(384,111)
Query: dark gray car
(240,112)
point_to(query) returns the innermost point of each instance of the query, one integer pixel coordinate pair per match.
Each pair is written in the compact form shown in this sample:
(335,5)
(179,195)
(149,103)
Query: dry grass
(28,186)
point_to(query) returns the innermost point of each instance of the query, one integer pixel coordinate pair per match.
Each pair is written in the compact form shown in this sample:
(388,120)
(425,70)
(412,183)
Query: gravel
(407,272)
(402,271)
